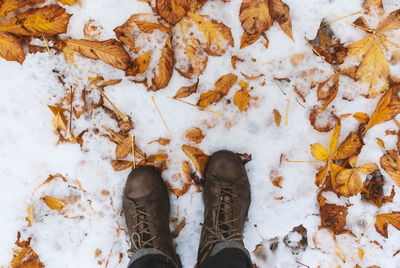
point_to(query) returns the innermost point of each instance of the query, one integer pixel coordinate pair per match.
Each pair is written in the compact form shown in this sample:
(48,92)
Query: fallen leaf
(277,117)
(91,30)
(184,92)
(54,203)
(327,90)
(373,189)
(29,218)
(119,165)
(139,64)
(248,39)
(333,217)
(25,256)
(11,48)
(7,6)
(197,156)
(68,2)
(125,147)
(390,162)
(363,118)
(349,147)
(161,141)
(222,88)
(382,221)
(242,99)
(380,143)
(110,51)
(255,16)
(165,67)
(347,183)
(280,12)
(195,135)
(171,10)
(392,22)
(47,20)
(196,58)
(373,5)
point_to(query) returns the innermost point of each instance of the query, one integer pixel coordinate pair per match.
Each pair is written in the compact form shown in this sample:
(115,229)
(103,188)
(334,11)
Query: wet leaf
(184,92)
(165,67)
(333,217)
(195,135)
(280,12)
(54,203)
(139,64)
(110,51)
(382,221)
(11,48)
(390,162)
(255,16)
(222,88)
(48,20)
(197,156)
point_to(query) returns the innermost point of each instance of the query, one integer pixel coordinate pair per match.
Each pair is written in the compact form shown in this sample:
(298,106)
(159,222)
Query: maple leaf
(184,92)
(139,64)
(11,48)
(109,51)
(222,88)
(54,203)
(197,156)
(382,221)
(195,135)
(48,20)
(390,162)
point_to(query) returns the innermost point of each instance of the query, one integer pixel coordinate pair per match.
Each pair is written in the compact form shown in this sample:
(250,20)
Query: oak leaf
(171,10)
(165,67)
(390,162)
(54,203)
(139,64)
(109,51)
(195,135)
(48,20)
(382,221)
(222,88)
(280,12)
(11,48)
(197,156)
(184,92)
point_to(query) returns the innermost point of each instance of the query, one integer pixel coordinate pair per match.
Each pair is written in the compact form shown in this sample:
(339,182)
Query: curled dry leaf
(171,10)
(125,147)
(48,20)
(386,109)
(195,135)
(165,67)
(161,141)
(54,203)
(139,64)
(327,91)
(197,156)
(373,189)
(184,92)
(280,12)
(277,117)
(222,88)
(109,51)
(390,162)
(315,118)
(119,165)
(25,256)
(382,221)
(11,48)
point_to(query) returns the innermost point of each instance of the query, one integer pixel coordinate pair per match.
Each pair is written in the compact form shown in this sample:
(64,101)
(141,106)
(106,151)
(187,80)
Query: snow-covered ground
(29,154)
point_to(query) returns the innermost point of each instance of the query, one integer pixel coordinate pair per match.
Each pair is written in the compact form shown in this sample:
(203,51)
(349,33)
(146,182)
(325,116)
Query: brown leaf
(234,60)
(54,203)
(184,92)
(386,109)
(347,183)
(197,156)
(350,146)
(48,20)
(171,10)
(165,67)
(179,228)
(25,257)
(91,30)
(195,135)
(222,88)
(390,162)
(277,117)
(363,118)
(276,179)
(125,147)
(161,141)
(333,217)
(248,39)
(110,51)
(373,189)
(314,120)
(119,165)
(329,94)
(196,58)
(139,64)
(11,48)
(242,99)
(7,6)
(392,22)
(255,16)
(280,12)
(382,221)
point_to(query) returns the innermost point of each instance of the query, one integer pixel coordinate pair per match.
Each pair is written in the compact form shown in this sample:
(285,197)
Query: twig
(133,152)
(45,42)
(162,118)
(302,264)
(284,93)
(201,108)
(109,255)
(122,115)
(287,112)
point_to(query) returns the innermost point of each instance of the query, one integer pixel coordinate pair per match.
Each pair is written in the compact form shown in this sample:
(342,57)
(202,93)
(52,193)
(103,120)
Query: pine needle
(122,115)
(133,152)
(335,20)
(287,112)
(201,108)
(284,93)
(46,43)
(162,118)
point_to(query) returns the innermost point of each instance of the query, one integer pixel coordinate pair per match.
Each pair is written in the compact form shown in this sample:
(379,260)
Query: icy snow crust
(29,154)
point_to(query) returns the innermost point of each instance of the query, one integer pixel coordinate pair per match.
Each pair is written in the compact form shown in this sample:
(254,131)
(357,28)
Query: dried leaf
(390,162)
(280,12)
(7,6)
(392,22)
(321,174)
(350,146)
(25,257)
(197,156)
(139,64)
(333,217)
(248,39)
(161,141)
(332,83)
(362,46)
(165,67)
(184,92)
(363,118)
(54,203)
(171,10)
(125,147)
(119,165)
(386,109)
(373,189)
(367,168)
(255,16)
(11,48)
(347,183)
(29,218)
(48,20)
(110,51)
(277,117)
(196,58)
(179,228)
(195,135)
(222,88)
(382,221)
(319,152)
(242,99)
(68,2)
(373,5)
(91,30)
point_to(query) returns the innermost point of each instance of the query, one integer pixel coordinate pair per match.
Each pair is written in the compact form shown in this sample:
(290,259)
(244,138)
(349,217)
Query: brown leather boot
(227,199)
(146,207)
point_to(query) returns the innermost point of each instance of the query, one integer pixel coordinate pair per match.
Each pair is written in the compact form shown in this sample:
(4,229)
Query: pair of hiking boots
(226,196)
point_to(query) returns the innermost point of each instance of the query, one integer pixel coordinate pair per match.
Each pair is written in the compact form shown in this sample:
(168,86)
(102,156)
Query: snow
(29,153)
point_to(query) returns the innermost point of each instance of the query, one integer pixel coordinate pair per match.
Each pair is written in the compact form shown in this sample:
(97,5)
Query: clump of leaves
(25,256)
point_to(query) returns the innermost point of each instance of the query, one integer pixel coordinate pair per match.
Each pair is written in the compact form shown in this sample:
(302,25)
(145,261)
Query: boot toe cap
(141,182)
(225,164)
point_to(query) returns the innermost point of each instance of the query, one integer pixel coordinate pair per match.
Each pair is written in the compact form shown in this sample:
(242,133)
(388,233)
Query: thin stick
(352,14)
(133,152)
(279,87)
(45,42)
(287,112)
(162,118)
(316,161)
(201,108)
(70,111)
(122,115)
(302,264)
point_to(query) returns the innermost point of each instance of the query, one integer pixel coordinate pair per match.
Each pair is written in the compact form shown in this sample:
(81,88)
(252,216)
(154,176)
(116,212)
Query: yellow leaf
(54,203)
(109,51)
(363,118)
(222,88)
(7,6)
(68,2)
(390,162)
(386,109)
(350,146)
(59,122)
(321,174)
(197,156)
(11,48)
(280,12)
(139,65)
(353,161)
(347,183)
(361,253)
(165,67)
(374,70)
(29,218)
(382,221)
(334,170)
(248,39)
(255,16)
(125,147)
(48,20)
(319,152)
(196,58)
(362,46)
(171,10)
(195,135)
(278,118)
(380,143)
(184,92)
(161,141)
(392,22)
(242,99)
(368,168)
(334,139)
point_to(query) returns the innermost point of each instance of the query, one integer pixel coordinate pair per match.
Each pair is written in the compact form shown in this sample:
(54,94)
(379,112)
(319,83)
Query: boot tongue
(226,217)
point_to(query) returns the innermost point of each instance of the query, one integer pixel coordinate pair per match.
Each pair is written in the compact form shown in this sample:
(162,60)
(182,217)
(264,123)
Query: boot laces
(142,236)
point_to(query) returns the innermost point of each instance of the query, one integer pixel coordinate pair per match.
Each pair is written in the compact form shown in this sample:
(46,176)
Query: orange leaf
(390,162)
(54,203)
(197,156)
(184,92)
(11,48)
(277,117)
(222,88)
(280,12)
(382,221)
(195,135)
(242,99)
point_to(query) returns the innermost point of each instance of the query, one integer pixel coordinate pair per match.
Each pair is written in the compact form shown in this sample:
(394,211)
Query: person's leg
(227,199)
(146,208)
